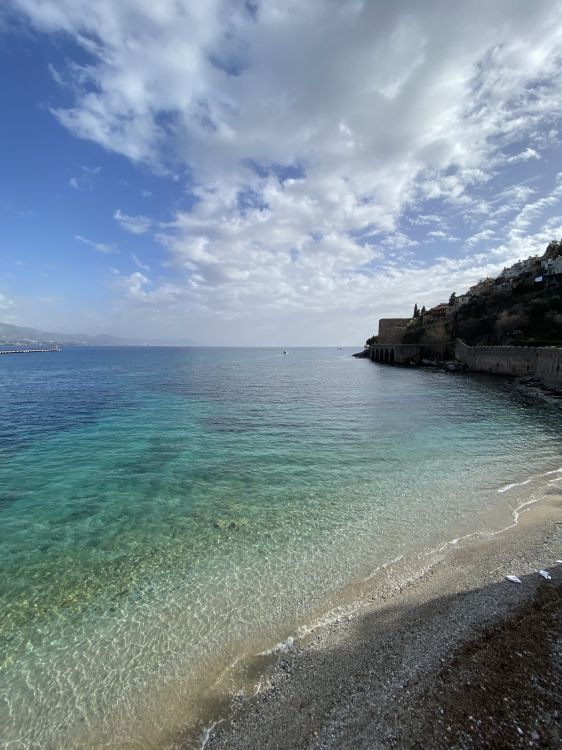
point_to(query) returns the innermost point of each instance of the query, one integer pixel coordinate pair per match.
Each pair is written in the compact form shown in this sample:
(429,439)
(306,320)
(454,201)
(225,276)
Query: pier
(27,351)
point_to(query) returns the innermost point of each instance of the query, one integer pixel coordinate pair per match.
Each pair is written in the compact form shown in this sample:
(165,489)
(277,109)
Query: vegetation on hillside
(527,313)
(530,313)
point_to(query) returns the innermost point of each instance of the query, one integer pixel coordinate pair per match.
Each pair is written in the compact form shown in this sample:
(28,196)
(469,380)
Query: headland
(509,325)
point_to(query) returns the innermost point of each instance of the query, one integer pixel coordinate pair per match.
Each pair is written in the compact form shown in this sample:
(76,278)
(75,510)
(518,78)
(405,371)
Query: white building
(552,266)
(519,268)
(462,299)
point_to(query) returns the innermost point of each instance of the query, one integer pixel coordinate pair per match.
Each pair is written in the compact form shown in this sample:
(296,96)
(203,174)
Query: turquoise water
(163,511)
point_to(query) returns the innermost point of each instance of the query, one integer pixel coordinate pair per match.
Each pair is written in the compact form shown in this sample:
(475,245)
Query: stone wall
(395,354)
(544,362)
(391,330)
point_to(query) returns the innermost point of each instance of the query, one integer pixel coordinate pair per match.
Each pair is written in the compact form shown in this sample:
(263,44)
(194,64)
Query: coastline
(382,673)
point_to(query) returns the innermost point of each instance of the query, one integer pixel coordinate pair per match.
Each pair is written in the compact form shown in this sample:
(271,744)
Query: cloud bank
(339,159)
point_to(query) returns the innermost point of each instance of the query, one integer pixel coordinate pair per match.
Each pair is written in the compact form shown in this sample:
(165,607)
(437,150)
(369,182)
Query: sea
(167,514)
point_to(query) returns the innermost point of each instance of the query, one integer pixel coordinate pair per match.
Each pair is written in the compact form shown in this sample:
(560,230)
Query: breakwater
(27,351)
(544,362)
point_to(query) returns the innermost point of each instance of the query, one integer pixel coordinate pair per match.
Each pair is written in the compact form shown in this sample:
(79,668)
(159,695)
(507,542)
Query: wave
(508,487)
(279,648)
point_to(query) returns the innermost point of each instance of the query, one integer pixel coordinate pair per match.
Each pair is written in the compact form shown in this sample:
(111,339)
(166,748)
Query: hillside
(522,306)
(528,314)
(12,335)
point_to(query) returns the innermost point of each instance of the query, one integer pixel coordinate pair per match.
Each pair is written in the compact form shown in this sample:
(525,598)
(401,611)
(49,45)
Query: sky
(270,172)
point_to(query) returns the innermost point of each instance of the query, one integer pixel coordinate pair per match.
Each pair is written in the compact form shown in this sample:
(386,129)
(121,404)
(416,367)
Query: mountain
(21,335)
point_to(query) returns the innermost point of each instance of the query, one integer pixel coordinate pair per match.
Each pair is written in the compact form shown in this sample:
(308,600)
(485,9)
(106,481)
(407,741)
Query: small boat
(284,351)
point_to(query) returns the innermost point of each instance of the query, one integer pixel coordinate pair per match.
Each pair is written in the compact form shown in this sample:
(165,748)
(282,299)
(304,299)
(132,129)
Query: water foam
(508,487)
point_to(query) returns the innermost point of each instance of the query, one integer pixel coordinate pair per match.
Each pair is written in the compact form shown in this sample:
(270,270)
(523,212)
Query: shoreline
(340,682)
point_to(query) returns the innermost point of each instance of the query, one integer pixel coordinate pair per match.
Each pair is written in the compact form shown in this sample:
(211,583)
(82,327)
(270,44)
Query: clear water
(163,511)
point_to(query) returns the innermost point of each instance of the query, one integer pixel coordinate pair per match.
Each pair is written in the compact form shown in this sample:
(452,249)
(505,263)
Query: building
(483,286)
(462,299)
(439,312)
(552,266)
(503,284)
(530,265)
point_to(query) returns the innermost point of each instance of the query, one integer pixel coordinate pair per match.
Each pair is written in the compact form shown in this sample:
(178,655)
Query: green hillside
(522,306)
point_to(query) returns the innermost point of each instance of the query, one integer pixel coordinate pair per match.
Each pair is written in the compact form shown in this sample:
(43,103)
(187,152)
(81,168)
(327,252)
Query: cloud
(423,219)
(399,241)
(100,247)
(528,153)
(86,178)
(139,263)
(22,213)
(133,224)
(305,168)
(439,234)
(5,302)
(535,210)
(484,236)
(135,284)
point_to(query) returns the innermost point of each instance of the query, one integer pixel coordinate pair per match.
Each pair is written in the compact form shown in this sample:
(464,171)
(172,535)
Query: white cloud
(86,178)
(5,302)
(399,241)
(133,224)
(439,234)
(484,236)
(100,247)
(531,212)
(528,153)
(423,219)
(311,130)
(139,263)
(133,286)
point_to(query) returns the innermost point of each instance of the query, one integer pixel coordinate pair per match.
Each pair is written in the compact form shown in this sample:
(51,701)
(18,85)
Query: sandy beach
(456,657)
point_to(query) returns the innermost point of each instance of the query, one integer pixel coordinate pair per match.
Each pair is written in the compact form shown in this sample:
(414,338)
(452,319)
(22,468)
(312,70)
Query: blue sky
(272,172)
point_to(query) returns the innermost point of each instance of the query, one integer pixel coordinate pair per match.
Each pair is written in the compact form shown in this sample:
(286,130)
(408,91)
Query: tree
(552,250)
(423,310)
(416,311)
(452,299)
(508,321)
(437,340)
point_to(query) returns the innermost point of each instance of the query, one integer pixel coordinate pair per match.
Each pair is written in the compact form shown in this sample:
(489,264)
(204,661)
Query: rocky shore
(460,657)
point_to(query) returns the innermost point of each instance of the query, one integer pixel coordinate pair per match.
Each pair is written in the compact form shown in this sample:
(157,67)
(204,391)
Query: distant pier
(27,351)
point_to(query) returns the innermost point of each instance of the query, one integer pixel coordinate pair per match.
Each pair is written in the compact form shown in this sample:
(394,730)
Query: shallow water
(163,511)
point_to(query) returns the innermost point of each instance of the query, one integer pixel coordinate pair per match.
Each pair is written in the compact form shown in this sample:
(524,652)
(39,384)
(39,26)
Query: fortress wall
(395,354)
(549,365)
(391,330)
(544,362)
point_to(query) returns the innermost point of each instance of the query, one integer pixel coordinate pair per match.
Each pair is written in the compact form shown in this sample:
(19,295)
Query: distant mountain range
(20,335)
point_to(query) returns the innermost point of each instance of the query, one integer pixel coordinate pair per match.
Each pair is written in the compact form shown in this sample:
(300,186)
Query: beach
(457,657)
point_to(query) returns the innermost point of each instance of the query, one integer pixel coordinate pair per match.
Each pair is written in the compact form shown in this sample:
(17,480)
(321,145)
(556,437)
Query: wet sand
(458,657)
